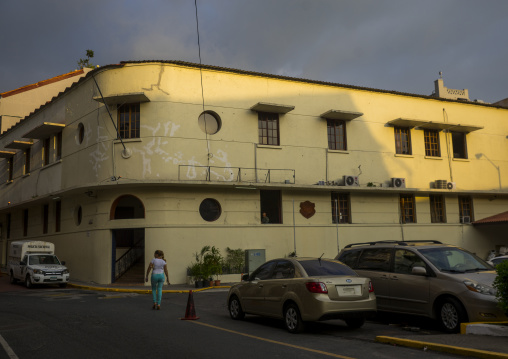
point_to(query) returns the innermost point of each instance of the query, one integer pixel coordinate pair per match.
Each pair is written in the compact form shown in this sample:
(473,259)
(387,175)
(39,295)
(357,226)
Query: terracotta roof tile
(497,218)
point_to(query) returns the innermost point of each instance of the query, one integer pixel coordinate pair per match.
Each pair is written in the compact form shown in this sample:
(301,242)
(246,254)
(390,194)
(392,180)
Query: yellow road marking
(274,341)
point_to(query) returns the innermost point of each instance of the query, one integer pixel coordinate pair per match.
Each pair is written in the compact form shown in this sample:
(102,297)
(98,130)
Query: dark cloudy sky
(396,45)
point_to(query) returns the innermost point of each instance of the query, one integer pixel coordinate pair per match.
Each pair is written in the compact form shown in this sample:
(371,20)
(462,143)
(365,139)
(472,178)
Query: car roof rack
(400,243)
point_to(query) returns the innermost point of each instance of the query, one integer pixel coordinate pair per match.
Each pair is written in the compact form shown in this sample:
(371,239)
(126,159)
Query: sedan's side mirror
(419,271)
(245,278)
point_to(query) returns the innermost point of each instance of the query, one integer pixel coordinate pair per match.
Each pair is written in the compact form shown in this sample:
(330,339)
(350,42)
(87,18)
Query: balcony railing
(235,174)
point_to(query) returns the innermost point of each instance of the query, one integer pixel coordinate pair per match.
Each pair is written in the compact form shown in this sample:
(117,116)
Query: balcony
(235,174)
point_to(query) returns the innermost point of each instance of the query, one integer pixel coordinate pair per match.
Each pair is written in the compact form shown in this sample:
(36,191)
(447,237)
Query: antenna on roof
(440,74)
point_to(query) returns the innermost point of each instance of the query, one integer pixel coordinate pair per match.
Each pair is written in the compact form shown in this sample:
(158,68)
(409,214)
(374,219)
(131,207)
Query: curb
(139,291)
(476,353)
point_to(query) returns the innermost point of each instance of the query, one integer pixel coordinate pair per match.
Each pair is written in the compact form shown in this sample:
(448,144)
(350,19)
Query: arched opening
(127,207)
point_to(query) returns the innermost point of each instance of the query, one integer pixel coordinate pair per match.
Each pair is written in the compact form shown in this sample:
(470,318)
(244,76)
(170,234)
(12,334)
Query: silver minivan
(428,278)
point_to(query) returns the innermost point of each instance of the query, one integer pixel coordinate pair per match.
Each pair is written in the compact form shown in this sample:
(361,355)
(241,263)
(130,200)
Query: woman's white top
(158,265)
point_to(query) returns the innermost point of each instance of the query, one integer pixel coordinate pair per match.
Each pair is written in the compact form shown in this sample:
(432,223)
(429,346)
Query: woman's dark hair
(160,254)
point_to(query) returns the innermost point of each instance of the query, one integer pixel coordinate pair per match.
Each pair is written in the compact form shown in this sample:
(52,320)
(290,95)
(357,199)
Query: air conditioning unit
(465,219)
(451,185)
(351,181)
(440,184)
(399,182)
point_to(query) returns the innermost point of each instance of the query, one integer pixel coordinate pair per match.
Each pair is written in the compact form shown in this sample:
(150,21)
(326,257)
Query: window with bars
(407,208)
(25,222)
(459,145)
(58,146)
(129,120)
(466,209)
(27,161)
(268,126)
(437,209)
(341,208)
(45,151)
(58,215)
(45,218)
(402,141)
(336,135)
(10,164)
(432,147)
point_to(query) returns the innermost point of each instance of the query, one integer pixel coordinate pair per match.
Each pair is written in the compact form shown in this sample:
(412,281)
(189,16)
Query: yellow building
(174,156)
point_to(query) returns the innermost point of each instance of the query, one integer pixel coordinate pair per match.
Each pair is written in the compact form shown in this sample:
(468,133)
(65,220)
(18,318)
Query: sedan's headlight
(38,271)
(479,288)
(65,271)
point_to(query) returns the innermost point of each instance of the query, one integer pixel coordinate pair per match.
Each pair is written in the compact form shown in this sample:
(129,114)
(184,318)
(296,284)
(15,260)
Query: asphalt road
(71,323)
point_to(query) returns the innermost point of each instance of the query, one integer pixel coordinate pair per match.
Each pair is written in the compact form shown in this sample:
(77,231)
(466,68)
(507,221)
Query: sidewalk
(481,340)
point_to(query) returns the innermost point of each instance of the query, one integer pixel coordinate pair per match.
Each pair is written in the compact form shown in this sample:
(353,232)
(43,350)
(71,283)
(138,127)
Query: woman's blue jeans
(157,282)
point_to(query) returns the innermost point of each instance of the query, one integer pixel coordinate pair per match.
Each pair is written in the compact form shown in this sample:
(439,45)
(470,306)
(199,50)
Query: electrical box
(254,258)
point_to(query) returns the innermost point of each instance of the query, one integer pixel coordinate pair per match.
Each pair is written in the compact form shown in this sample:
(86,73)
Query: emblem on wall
(307,209)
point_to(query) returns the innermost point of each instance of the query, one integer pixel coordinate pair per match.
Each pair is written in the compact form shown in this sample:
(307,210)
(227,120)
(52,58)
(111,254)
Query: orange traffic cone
(190,312)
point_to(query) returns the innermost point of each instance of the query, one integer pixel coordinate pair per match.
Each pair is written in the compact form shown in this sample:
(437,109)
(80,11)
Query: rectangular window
(129,120)
(336,135)
(402,141)
(407,208)
(27,161)
(10,163)
(437,209)
(459,145)
(25,222)
(432,147)
(466,209)
(58,215)
(8,230)
(271,204)
(58,146)
(268,126)
(45,218)
(341,202)
(45,151)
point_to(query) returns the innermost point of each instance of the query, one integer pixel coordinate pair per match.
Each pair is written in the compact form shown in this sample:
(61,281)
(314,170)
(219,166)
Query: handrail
(236,174)
(126,261)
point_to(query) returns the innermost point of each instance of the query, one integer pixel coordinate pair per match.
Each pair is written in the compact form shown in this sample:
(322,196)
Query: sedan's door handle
(260,285)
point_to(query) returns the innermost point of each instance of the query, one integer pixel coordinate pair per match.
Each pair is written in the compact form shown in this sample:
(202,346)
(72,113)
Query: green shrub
(501,284)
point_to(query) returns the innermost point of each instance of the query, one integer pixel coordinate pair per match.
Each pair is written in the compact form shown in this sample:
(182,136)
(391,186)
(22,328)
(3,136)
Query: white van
(35,262)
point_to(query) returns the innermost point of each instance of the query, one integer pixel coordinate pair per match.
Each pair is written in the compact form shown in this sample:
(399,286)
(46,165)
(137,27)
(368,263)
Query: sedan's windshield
(43,259)
(321,267)
(454,260)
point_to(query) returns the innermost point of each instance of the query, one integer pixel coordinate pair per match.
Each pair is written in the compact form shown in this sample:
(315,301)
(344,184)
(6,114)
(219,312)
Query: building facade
(174,156)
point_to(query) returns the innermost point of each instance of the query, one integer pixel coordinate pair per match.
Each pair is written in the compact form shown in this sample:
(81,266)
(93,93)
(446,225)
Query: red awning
(497,218)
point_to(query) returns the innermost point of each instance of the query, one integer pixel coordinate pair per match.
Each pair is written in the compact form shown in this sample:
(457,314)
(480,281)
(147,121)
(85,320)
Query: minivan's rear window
(316,267)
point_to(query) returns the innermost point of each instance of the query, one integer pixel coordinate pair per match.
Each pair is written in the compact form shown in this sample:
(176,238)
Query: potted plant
(195,272)
(213,262)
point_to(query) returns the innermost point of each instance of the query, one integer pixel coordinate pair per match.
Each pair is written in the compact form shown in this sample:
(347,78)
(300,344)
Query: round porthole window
(210,210)
(81,133)
(78,215)
(209,122)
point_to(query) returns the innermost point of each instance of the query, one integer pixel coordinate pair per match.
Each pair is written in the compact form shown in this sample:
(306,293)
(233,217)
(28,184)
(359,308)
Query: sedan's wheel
(293,319)
(12,279)
(28,282)
(235,308)
(451,314)
(355,323)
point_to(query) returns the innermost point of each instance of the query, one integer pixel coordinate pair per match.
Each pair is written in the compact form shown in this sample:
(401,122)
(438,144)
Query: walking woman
(159,268)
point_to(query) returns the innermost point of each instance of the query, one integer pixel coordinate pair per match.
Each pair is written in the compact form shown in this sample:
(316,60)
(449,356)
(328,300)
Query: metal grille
(336,135)
(129,120)
(268,126)
(432,143)
(402,141)
(437,212)
(407,209)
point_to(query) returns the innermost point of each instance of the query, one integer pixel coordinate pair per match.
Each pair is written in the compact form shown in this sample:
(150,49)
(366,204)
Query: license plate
(53,278)
(349,290)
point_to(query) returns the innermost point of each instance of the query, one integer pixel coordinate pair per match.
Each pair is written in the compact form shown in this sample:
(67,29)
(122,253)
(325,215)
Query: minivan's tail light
(371,287)
(316,287)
